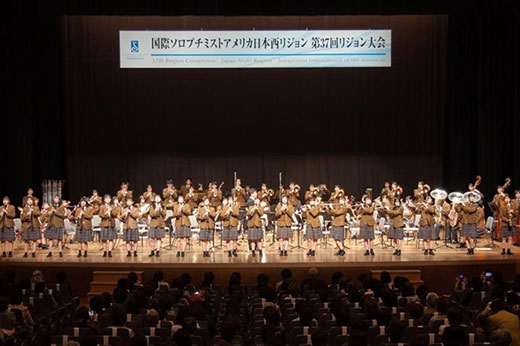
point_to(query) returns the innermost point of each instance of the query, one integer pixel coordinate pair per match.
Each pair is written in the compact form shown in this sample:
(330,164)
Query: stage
(438,272)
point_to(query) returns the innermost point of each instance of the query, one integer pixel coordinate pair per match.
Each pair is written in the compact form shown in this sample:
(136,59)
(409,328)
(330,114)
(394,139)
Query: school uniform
(31,222)
(284,221)
(313,228)
(108,215)
(157,222)
(254,223)
(182,221)
(337,229)
(206,219)
(56,224)
(506,228)
(7,223)
(366,223)
(426,230)
(84,224)
(122,196)
(131,231)
(230,222)
(168,193)
(469,220)
(396,223)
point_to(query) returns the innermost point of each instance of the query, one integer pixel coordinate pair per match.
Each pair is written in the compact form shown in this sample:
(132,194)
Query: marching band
(248,212)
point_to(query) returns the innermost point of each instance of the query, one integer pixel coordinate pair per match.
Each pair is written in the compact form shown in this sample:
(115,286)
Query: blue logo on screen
(134,46)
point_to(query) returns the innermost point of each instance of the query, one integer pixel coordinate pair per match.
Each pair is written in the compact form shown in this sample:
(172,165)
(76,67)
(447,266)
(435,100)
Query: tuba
(438,194)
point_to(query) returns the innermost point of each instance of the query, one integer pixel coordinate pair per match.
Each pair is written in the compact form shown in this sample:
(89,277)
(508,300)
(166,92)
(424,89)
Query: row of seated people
(366,311)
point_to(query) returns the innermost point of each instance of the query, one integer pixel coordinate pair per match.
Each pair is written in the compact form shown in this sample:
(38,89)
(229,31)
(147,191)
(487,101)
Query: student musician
(157,225)
(83,218)
(426,225)
(421,192)
(191,198)
(186,187)
(130,217)
(294,194)
(469,223)
(338,212)
(239,193)
(206,217)
(7,234)
(311,193)
(515,204)
(229,213)
(254,226)
(95,201)
(214,195)
(481,218)
(395,232)
(284,213)
(506,225)
(366,225)
(265,194)
(148,195)
(108,214)
(336,194)
(169,191)
(29,216)
(56,224)
(313,225)
(386,190)
(181,212)
(395,191)
(30,195)
(124,193)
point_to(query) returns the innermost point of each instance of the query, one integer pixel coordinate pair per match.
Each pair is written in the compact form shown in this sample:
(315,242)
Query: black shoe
(104,254)
(431,252)
(229,254)
(110,254)
(10,254)
(128,254)
(309,252)
(178,254)
(503,252)
(235,253)
(135,253)
(425,252)
(285,252)
(4,254)
(151,254)
(61,254)
(313,253)
(33,255)
(338,253)
(341,252)
(85,253)
(509,252)
(398,253)
(254,253)
(157,254)
(366,253)
(260,253)
(182,254)
(469,252)
(395,252)
(79,253)
(49,254)
(473,251)
(25,254)
(281,252)
(372,252)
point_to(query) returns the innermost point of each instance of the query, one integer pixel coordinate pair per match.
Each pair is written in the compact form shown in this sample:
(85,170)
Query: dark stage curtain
(354,126)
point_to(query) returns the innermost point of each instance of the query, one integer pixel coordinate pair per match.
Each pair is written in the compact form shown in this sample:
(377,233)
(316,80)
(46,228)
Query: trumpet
(426,188)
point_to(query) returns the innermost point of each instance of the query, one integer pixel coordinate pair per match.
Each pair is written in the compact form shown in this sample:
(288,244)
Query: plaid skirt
(507,231)
(54,233)
(284,233)
(7,234)
(312,233)
(156,232)
(108,233)
(337,233)
(395,233)
(205,234)
(131,234)
(255,233)
(229,233)
(469,231)
(426,233)
(31,234)
(84,235)
(366,232)
(182,232)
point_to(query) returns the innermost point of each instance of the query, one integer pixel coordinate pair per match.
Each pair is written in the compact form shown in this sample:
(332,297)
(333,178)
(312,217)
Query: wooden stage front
(438,272)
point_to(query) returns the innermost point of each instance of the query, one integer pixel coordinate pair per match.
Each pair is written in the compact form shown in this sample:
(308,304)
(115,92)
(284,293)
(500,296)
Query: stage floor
(438,271)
